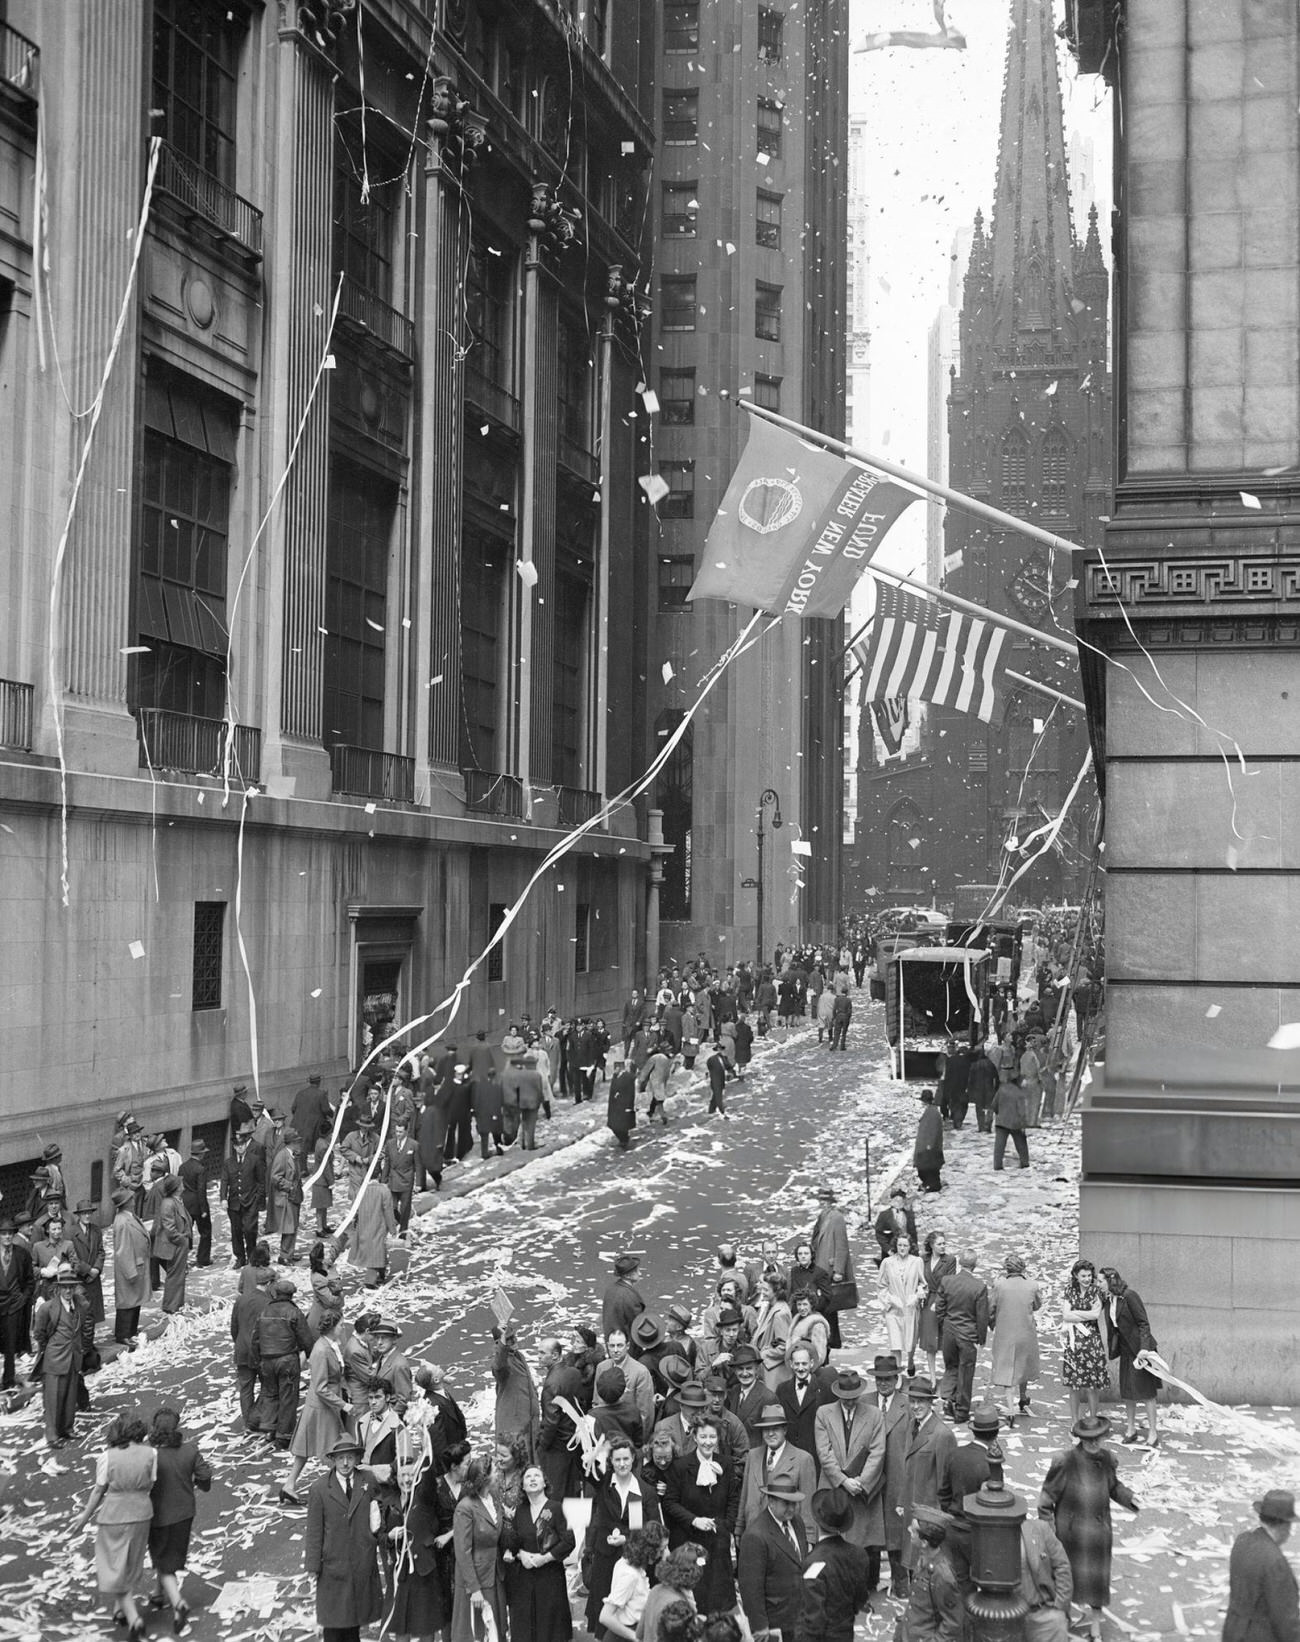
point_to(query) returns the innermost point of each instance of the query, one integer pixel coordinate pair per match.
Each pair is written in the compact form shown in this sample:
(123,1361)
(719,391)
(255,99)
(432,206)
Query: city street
(547,1234)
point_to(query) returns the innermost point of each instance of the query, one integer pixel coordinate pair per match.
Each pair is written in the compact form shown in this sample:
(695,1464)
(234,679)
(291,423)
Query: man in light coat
(284,1194)
(850,1438)
(776,1459)
(131,1288)
(521,1095)
(373,1225)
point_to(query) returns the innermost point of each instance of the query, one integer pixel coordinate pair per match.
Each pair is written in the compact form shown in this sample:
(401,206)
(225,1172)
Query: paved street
(546,1234)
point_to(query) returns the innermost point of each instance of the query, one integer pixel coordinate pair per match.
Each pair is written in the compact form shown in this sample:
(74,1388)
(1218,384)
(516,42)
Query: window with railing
(677,302)
(16,714)
(366,772)
(767,392)
(679,503)
(770,116)
(767,220)
(676,573)
(681,124)
(767,312)
(358,543)
(489,792)
(677,397)
(20,63)
(482,599)
(771,31)
(196,47)
(680,209)
(681,25)
(365,208)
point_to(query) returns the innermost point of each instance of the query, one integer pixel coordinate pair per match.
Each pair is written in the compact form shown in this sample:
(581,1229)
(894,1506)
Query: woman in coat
(902,1287)
(180,1470)
(927,1154)
(772,1328)
(535,1540)
(1130,1334)
(322,1417)
(806,1274)
(701,1505)
(517,1411)
(936,1264)
(124,1476)
(130,1266)
(171,1243)
(1032,1061)
(476,1536)
(620,1504)
(1013,1300)
(1076,1496)
(808,1327)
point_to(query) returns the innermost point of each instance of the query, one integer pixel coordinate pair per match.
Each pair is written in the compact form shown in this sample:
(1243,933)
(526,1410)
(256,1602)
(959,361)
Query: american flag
(919,650)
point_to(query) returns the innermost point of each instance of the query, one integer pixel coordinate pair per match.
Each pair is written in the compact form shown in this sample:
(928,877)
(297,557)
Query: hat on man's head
(40,1173)
(744,1356)
(52,1153)
(1092,1427)
(716,1383)
(772,1418)
(1278,1505)
(646,1332)
(827,1193)
(692,1395)
(283,1288)
(626,1264)
(782,1488)
(313,1077)
(729,1317)
(8,1224)
(87,1207)
(676,1369)
(240,1089)
(198,1148)
(276,1115)
(122,1196)
(389,1331)
(134,1126)
(849,1385)
(681,1314)
(832,1509)
(345,1445)
(921,1389)
(122,1119)
(985,1420)
(885,1368)
(66,1276)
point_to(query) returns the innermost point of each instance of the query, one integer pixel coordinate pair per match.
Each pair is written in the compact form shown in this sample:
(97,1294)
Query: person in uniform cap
(622,1303)
(339,1551)
(17,1292)
(836,1577)
(769,1565)
(1262,1599)
(243,1190)
(934,1605)
(1076,1498)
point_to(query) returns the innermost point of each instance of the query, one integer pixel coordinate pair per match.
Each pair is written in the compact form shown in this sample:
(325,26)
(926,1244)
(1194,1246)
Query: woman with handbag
(478,1609)
(180,1470)
(619,1504)
(535,1541)
(1130,1336)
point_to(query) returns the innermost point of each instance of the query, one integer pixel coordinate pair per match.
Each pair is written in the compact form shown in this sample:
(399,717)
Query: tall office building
(749,233)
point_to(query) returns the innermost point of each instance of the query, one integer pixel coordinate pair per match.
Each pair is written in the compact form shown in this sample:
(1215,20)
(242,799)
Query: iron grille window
(681,25)
(496,959)
(676,573)
(582,938)
(674,794)
(357,544)
(1056,469)
(679,503)
(364,227)
(680,207)
(188,472)
(195,63)
(488,296)
(677,302)
(482,595)
(767,312)
(767,220)
(677,397)
(769,127)
(767,392)
(209,930)
(1015,467)
(681,118)
(771,27)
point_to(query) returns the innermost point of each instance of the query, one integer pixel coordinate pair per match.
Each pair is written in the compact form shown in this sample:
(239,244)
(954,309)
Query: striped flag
(920,650)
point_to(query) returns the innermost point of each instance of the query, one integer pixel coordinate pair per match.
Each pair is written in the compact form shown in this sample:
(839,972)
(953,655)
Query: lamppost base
(996,1616)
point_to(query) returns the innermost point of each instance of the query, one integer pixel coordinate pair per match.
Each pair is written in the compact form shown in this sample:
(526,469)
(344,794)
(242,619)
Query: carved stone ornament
(457,132)
(552,227)
(323,21)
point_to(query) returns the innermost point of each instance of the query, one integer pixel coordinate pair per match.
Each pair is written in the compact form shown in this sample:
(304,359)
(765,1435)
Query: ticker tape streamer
(1277,1440)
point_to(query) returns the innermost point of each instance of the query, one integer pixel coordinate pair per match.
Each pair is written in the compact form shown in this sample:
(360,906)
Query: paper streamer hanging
(1276,1440)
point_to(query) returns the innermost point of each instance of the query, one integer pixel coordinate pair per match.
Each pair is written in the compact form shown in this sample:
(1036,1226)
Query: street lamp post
(766,797)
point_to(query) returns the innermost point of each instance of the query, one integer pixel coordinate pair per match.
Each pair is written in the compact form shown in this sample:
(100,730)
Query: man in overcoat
(17,1290)
(776,1459)
(339,1547)
(769,1566)
(622,1303)
(1262,1599)
(836,1574)
(88,1248)
(962,1313)
(243,1189)
(130,1266)
(57,1331)
(561,1465)
(830,1250)
(850,1438)
(928,1462)
(891,1403)
(194,1195)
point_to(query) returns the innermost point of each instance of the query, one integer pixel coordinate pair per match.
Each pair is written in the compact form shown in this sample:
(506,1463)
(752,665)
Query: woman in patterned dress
(1083,1360)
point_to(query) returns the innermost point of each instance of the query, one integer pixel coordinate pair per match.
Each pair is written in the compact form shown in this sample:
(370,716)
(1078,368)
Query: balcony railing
(578,459)
(488,793)
(490,397)
(20,63)
(182,741)
(203,197)
(368,774)
(577,805)
(385,323)
(16,715)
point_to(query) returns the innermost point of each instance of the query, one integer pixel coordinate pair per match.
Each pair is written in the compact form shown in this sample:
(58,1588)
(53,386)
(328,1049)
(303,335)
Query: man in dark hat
(830,1250)
(390,1363)
(692,1403)
(895,1416)
(358,1147)
(311,1108)
(677,1336)
(130,1266)
(57,1331)
(647,1344)
(17,1292)
(747,1392)
(241,1111)
(128,1166)
(243,1189)
(88,1254)
(279,1339)
(194,1194)
(621,1302)
(776,1458)
(836,1579)
(249,1305)
(769,1567)
(339,1548)
(934,1606)
(733,1439)
(1262,1599)
(928,1463)
(850,1440)
(967,1474)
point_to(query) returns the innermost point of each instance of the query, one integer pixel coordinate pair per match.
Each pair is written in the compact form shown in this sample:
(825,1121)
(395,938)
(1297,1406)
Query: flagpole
(956,498)
(1016,678)
(995,616)
(853,639)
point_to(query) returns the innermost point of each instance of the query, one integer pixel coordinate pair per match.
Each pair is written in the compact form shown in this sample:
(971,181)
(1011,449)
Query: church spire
(1032,237)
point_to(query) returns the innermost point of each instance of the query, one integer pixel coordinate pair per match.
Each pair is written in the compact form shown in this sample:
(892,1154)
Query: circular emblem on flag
(769,504)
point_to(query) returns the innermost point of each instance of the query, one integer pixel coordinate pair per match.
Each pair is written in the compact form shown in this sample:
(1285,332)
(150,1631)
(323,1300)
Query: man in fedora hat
(194,1194)
(241,1109)
(130,1266)
(775,1458)
(769,1565)
(850,1438)
(928,1462)
(747,1392)
(57,1331)
(17,1291)
(830,1250)
(284,1193)
(969,1471)
(310,1109)
(390,1363)
(1077,1491)
(836,1576)
(339,1547)
(892,1405)
(1262,1599)
(934,1604)
(88,1252)
(692,1402)
(647,1344)
(621,1302)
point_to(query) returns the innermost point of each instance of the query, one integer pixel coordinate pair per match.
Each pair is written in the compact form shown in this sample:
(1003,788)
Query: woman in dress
(630,1589)
(701,1505)
(808,1327)
(1083,1359)
(805,1274)
(535,1540)
(1076,1496)
(1130,1334)
(676,1577)
(1012,1303)
(323,1415)
(620,1503)
(902,1286)
(772,1328)
(476,1536)
(180,1470)
(936,1264)
(124,1479)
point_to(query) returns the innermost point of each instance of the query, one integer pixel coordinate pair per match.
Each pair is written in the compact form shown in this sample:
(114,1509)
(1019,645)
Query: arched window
(674,796)
(1056,469)
(1015,467)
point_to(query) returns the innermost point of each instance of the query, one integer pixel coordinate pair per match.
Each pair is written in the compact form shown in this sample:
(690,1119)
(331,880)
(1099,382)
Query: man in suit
(1262,1599)
(891,1403)
(836,1583)
(850,1438)
(88,1253)
(243,1187)
(57,1331)
(17,1291)
(830,1251)
(639,1380)
(800,1397)
(339,1547)
(928,1462)
(621,1302)
(893,1220)
(962,1313)
(967,1475)
(561,1465)
(692,1401)
(747,1395)
(311,1106)
(776,1458)
(194,1195)
(769,1567)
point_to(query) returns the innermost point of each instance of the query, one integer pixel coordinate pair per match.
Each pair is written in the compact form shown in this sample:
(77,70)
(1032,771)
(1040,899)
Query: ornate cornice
(1219,579)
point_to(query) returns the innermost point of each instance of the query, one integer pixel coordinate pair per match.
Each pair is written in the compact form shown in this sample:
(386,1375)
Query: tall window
(674,796)
(364,228)
(677,302)
(767,312)
(575,374)
(489,288)
(1056,469)
(680,208)
(677,397)
(195,62)
(496,959)
(771,27)
(767,392)
(679,503)
(681,118)
(582,938)
(1035,294)
(209,924)
(769,127)
(571,599)
(676,573)
(681,25)
(767,220)
(1014,467)
(482,597)
(357,544)
(188,473)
